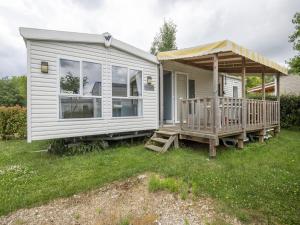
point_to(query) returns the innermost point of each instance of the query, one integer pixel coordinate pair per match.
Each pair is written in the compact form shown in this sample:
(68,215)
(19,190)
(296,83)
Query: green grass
(259,183)
(169,184)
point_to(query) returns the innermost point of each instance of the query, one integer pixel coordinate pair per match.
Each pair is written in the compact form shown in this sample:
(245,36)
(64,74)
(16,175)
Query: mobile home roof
(53,35)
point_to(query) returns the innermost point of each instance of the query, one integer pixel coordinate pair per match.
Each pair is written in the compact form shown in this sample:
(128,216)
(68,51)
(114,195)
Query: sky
(260,25)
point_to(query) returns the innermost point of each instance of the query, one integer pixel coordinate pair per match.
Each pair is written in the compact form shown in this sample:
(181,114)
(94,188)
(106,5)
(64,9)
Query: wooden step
(153,147)
(167,133)
(160,140)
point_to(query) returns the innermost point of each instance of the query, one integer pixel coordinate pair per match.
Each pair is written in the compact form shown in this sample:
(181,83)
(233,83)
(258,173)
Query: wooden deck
(235,117)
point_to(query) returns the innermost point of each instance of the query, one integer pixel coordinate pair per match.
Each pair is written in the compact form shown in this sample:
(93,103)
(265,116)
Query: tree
(70,83)
(10,94)
(294,62)
(165,40)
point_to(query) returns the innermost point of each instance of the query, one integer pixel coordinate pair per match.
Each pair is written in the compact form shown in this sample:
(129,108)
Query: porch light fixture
(44,67)
(149,80)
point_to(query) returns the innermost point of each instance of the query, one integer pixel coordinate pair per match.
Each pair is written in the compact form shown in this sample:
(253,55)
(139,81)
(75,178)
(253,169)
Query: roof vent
(108,38)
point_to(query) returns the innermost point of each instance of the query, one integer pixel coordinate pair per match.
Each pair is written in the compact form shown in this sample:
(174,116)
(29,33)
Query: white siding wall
(203,78)
(229,82)
(43,92)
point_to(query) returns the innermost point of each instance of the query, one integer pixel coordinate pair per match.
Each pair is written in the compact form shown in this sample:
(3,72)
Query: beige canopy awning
(230,57)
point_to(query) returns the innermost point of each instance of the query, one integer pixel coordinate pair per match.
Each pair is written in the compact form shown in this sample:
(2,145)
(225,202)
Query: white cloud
(263,26)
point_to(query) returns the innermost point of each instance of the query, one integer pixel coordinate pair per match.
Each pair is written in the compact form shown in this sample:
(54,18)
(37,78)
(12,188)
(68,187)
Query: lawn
(258,184)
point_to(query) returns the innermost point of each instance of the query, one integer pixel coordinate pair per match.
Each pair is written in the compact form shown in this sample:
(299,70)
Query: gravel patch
(128,200)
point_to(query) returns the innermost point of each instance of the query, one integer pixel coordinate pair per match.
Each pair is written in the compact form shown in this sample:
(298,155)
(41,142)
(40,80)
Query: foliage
(70,147)
(70,83)
(260,95)
(168,184)
(13,91)
(165,40)
(290,111)
(294,63)
(12,122)
(244,181)
(253,81)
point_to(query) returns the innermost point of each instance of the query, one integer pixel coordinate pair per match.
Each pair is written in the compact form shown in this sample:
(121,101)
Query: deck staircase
(162,140)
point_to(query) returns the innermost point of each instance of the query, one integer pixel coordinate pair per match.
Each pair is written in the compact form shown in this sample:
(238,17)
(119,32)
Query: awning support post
(244,105)
(161,95)
(263,85)
(216,108)
(264,100)
(277,130)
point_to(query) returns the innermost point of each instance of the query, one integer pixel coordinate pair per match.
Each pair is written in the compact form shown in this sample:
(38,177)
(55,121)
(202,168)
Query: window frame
(80,95)
(141,97)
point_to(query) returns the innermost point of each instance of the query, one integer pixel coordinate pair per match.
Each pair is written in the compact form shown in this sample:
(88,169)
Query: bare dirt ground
(129,202)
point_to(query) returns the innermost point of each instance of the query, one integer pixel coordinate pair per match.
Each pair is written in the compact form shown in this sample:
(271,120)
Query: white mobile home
(84,84)
(88,84)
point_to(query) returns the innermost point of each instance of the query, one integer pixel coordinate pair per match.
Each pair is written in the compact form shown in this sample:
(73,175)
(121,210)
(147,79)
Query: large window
(127,92)
(80,89)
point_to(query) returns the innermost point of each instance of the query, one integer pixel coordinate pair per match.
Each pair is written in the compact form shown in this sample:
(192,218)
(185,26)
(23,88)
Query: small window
(69,76)
(127,92)
(80,89)
(235,92)
(119,81)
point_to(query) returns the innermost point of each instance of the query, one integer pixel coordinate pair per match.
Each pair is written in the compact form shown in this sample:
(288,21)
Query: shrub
(290,111)
(75,147)
(12,122)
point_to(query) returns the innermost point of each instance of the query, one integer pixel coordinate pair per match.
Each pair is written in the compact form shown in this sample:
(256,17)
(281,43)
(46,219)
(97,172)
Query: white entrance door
(181,91)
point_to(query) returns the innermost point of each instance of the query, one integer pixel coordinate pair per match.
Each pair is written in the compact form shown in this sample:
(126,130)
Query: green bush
(12,122)
(290,111)
(75,147)
(259,96)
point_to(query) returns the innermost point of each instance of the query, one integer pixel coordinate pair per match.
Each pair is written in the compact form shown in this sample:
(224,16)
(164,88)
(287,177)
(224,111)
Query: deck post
(161,89)
(244,106)
(212,148)
(277,129)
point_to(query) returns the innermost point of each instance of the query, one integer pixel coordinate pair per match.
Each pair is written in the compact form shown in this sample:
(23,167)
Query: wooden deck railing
(198,114)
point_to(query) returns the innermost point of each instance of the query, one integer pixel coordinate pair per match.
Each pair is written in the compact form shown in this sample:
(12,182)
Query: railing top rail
(231,98)
(271,101)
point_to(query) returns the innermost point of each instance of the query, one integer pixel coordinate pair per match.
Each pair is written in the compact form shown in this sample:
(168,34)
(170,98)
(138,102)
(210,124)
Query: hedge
(290,111)
(12,122)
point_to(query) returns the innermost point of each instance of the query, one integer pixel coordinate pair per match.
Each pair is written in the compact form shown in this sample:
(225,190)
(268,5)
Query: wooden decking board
(153,147)
(164,132)
(160,140)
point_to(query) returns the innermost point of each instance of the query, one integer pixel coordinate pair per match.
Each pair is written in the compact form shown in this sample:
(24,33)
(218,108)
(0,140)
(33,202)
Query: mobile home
(85,84)
(89,84)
